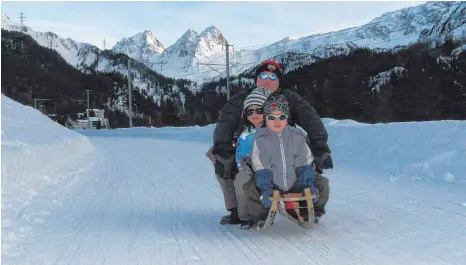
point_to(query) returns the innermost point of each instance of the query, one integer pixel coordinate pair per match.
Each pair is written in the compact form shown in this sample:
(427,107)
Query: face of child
(277,121)
(255,114)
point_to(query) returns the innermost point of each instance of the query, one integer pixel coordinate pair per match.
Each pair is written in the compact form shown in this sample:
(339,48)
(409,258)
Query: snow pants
(257,212)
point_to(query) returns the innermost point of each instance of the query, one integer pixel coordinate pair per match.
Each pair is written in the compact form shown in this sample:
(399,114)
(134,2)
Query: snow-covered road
(154,200)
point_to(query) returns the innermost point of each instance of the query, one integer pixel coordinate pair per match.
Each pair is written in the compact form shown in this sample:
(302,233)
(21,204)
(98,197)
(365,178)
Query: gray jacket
(282,153)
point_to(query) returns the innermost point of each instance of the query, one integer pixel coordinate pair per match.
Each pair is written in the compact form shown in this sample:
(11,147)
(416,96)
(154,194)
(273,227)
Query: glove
(263,179)
(328,162)
(265,198)
(226,168)
(325,161)
(246,164)
(305,175)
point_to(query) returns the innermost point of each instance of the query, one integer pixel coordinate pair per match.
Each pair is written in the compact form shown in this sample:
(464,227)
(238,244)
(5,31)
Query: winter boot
(318,212)
(232,219)
(247,224)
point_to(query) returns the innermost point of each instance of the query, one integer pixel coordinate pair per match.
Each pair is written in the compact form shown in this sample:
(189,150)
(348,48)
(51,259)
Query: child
(280,157)
(253,118)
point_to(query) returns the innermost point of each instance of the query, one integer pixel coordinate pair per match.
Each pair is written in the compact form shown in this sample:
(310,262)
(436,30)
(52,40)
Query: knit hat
(276,102)
(256,97)
(270,66)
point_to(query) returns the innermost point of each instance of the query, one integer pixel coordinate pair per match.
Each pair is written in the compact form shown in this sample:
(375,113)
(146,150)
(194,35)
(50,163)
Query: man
(302,113)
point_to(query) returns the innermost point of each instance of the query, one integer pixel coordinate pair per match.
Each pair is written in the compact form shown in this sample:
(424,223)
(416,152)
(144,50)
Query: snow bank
(34,147)
(412,151)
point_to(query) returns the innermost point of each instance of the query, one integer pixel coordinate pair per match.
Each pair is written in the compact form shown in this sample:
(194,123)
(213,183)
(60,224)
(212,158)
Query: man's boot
(232,219)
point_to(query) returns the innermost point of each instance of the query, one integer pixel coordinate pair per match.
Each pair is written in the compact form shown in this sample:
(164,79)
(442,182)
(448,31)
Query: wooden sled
(279,205)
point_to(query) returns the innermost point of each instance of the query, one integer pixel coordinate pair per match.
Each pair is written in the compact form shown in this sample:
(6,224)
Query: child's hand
(265,198)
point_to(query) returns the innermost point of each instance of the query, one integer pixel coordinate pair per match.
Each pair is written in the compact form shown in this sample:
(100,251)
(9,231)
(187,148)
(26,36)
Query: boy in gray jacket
(281,160)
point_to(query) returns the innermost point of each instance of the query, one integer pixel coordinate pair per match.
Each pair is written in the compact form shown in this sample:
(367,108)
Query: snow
(376,82)
(37,154)
(29,137)
(149,196)
(143,46)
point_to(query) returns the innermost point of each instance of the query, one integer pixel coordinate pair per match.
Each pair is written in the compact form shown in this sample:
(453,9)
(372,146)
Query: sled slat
(310,207)
(294,199)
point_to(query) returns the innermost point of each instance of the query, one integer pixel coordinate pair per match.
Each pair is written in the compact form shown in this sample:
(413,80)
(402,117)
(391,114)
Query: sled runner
(288,205)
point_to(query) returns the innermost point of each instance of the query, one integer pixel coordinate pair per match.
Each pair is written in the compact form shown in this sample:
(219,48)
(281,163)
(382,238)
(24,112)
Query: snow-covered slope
(35,150)
(87,57)
(396,190)
(452,22)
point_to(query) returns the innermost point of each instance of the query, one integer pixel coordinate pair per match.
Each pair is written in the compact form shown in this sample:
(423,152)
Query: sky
(243,24)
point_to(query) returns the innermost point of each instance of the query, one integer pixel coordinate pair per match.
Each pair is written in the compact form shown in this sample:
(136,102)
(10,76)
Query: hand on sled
(265,198)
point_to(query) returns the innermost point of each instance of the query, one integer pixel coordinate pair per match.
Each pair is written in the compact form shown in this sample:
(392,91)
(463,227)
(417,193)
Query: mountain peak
(142,46)
(211,29)
(190,35)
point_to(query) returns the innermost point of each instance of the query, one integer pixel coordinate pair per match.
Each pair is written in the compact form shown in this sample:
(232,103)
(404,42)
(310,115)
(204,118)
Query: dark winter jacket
(302,114)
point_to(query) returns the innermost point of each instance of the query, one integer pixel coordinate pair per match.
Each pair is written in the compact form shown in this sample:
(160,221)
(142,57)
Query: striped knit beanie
(257,97)
(276,102)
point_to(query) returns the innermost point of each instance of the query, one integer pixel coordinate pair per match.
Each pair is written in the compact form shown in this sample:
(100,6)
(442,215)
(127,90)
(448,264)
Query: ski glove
(306,175)
(264,183)
(325,161)
(265,198)
(226,168)
(306,178)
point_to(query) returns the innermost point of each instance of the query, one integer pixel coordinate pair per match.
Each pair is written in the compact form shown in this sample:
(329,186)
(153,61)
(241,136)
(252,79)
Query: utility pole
(227,46)
(21,19)
(87,111)
(87,91)
(130,110)
(86,103)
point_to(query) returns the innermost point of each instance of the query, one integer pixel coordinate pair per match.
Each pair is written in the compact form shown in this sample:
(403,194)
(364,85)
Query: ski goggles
(264,76)
(281,117)
(249,112)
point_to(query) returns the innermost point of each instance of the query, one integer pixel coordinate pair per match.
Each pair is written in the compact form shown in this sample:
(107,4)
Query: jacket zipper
(282,150)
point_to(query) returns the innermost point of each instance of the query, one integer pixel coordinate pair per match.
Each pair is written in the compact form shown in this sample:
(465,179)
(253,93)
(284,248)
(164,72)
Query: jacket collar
(266,131)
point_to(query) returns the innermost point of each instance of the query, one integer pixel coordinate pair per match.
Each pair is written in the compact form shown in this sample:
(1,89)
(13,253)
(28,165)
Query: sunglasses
(249,112)
(264,76)
(281,117)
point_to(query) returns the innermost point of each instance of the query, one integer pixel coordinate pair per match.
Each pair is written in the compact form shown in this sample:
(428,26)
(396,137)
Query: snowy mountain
(143,47)
(180,60)
(87,57)
(451,23)
(148,196)
(392,29)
